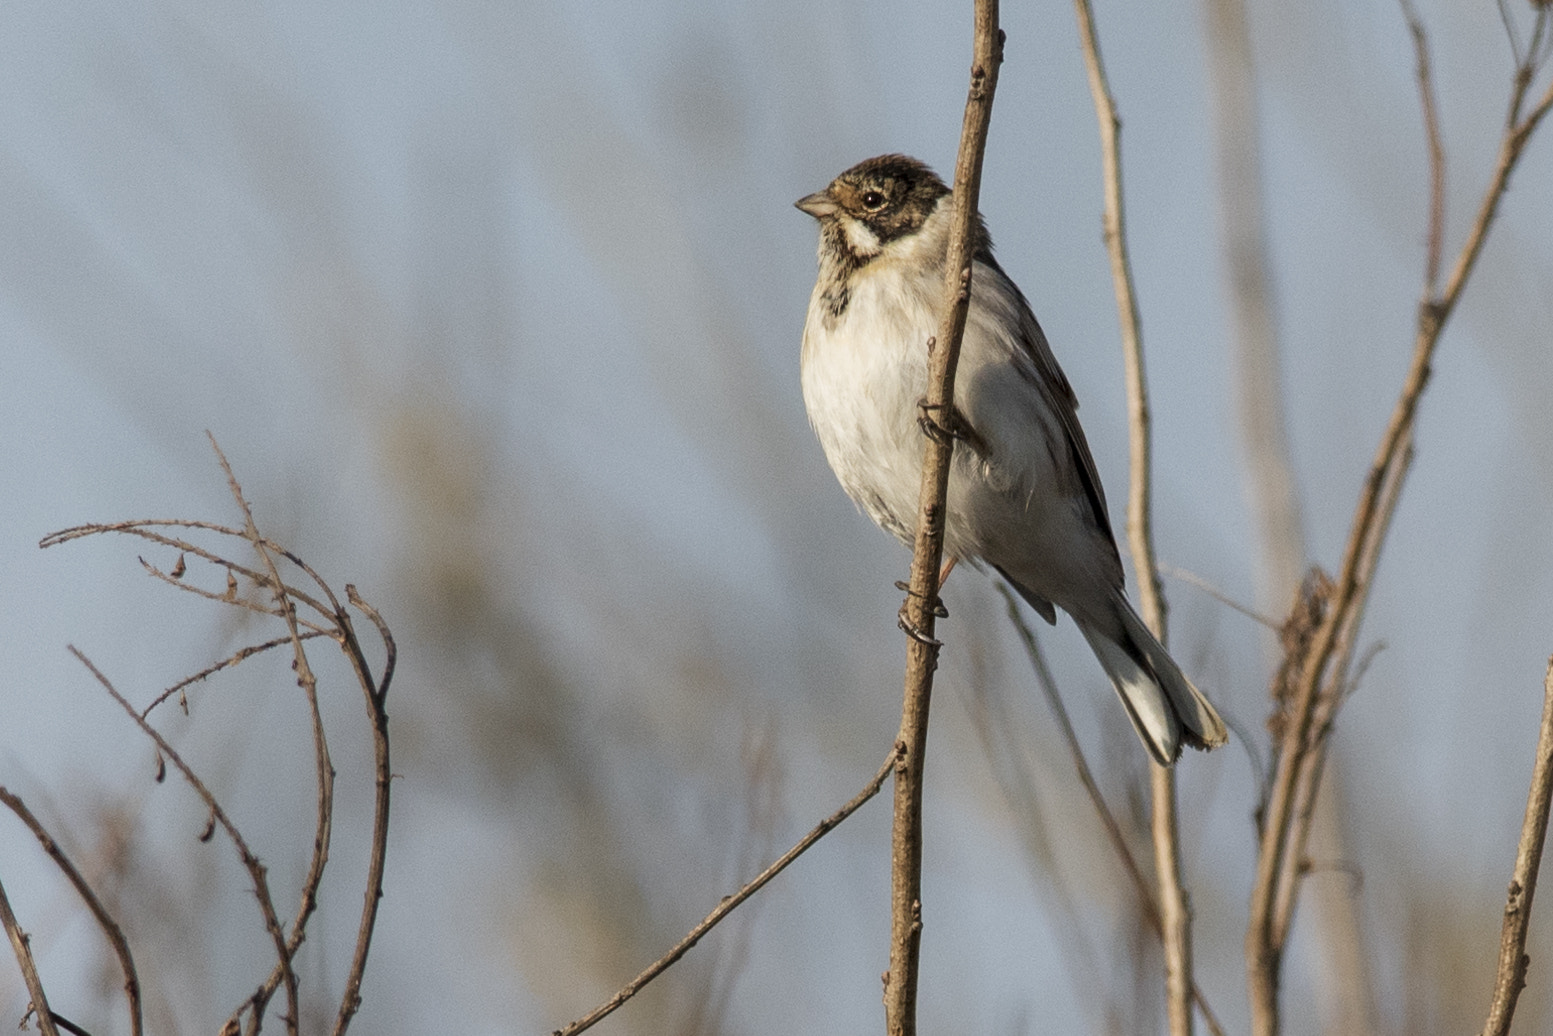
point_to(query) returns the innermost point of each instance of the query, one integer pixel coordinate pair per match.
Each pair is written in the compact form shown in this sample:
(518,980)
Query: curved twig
(377,713)
(251,863)
(323,766)
(228,662)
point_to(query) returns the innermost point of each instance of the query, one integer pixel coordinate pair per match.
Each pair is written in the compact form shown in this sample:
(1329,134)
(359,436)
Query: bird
(1025,498)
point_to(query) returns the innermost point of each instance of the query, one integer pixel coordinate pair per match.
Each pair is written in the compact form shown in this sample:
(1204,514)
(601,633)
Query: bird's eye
(873,201)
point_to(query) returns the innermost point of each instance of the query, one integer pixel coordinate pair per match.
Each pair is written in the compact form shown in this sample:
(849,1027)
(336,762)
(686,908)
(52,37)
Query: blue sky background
(495,310)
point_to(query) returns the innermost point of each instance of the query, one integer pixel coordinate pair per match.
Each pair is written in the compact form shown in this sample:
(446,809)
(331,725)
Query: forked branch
(1325,669)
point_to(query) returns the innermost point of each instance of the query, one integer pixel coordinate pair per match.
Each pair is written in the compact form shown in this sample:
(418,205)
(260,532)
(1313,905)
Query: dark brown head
(876,201)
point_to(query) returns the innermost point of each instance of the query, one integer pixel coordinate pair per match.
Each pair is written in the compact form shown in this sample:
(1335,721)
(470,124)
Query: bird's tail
(1161,702)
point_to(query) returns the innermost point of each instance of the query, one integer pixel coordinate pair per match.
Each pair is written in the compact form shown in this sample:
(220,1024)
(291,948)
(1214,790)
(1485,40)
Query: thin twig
(1324,671)
(251,863)
(1175,914)
(322,765)
(1523,880)
(226,663)
(376,695)
(110,927)
(147,530)
(730,903)
(917,613)
(1188,576)
(1431,114)
(29,968)
(1113,828)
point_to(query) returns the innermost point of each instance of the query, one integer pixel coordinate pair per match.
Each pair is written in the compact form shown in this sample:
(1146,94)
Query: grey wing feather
(1049,380)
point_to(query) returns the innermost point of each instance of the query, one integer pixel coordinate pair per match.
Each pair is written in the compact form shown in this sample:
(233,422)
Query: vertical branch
(1175,913)
(376,694)
(1523,881)
(1113,829)
(1258,378)
(917,613)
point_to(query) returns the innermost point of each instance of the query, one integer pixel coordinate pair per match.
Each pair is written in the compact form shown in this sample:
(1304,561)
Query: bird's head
(875,202)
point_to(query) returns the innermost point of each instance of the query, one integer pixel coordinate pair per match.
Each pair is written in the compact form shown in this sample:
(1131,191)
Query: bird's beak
(819,205)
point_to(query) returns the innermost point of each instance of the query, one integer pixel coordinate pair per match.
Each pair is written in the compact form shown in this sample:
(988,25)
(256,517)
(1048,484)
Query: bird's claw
(938,602)
(932,428)
(914,631)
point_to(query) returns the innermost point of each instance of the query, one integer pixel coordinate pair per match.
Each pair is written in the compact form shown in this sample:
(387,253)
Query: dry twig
(1324,674)
(917,613)
(329,618)
(1175,913)
(1113,828)
(29,968)
(1523,880)
(730,903)
(110,927)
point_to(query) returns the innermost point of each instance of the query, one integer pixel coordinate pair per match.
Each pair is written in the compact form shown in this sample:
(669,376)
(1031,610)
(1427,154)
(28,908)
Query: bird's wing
(1047,378)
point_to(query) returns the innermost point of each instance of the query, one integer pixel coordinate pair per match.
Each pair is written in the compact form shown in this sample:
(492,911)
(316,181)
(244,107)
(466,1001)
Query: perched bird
(1024,496)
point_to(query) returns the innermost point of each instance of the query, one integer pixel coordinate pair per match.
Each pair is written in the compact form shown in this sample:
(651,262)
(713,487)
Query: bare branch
(917,613)
(322,765)
(1324,671)
(226,663)
(1175,914)
(730,903)
(376,694)
(1523,879)
(1113,828)
(251,863)
(110,927)
(19,944)
(1430,109)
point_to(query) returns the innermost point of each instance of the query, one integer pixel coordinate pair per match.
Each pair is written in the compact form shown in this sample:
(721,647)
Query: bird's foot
(914,631)
(941,432)
(938,602)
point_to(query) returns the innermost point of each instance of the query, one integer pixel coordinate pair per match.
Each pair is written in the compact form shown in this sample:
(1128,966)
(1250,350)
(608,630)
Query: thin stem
(29,968)
(376,695)
(1175,913)
(917,613)
(105,921)
(255,868)
(1324,671)
(730,903)
(1523,880)
(1113,828)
